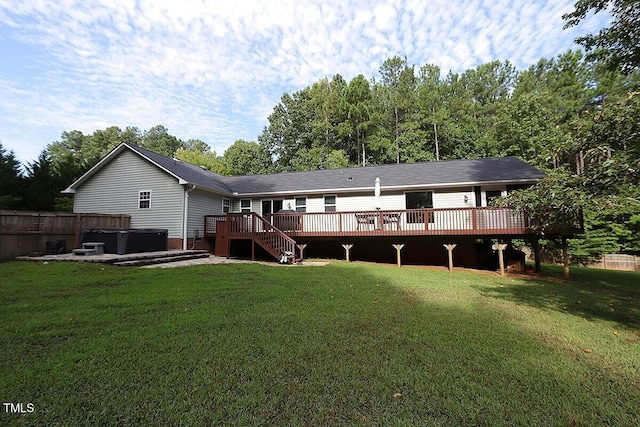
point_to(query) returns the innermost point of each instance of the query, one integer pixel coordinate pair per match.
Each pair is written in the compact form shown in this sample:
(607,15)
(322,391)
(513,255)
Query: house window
(329,203)
(144,200)
(226,205)
(301,204)
(245,206)
(419,200)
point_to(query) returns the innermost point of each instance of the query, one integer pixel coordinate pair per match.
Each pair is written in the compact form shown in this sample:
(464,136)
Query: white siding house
(159,192)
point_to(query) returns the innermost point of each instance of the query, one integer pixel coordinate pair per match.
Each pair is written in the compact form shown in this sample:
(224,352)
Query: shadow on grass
(590,293)
(254,345)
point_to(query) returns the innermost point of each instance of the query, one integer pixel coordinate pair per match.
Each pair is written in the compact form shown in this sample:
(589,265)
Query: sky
(215,69)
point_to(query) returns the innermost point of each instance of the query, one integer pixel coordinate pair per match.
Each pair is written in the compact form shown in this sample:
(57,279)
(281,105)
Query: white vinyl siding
(115,189)
(453,198)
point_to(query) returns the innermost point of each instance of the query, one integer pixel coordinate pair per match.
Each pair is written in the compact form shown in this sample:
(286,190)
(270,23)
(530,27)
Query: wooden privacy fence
(26,233)
(618,262)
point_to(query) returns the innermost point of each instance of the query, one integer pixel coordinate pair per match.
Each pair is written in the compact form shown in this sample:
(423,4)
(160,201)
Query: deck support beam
(347,248)
(301,248)
(398,249)
(450,248)
(500,247)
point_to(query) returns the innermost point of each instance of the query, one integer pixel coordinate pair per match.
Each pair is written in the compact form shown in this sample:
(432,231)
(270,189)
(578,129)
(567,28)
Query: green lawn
(343,344)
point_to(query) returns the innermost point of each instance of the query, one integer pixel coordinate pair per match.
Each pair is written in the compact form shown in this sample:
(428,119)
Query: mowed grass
(343,344)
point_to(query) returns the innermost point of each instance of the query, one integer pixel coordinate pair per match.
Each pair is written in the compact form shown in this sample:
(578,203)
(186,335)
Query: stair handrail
(252,225)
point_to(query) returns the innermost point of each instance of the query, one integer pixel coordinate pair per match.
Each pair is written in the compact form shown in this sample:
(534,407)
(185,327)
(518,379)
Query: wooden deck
(479,221)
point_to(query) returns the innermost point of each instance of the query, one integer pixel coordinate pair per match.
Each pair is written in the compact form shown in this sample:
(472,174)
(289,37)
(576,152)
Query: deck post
(500,247)
(398,249)
(347,248)
(450,248)
(301,248)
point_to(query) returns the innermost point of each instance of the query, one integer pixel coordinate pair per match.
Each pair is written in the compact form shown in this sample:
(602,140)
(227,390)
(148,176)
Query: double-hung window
(301,204)
(329,203)
(144,199)
(226,205)
(245,206)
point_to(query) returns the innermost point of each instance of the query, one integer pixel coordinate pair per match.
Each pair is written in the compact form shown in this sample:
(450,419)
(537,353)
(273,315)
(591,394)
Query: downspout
(185,216)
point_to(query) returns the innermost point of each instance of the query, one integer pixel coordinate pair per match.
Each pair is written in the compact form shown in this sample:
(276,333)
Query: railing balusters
(470,221)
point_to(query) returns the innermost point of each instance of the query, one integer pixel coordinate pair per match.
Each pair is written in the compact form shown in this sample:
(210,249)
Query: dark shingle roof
(410,175)
(451,172)
(187,171)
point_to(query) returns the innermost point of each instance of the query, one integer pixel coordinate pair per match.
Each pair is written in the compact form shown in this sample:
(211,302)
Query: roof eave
(389,188)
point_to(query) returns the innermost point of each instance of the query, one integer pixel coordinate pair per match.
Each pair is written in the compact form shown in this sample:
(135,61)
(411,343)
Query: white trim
(140,199)
(185,217)
(335,202)
(415,187)
(295,203)
(274,199)
(240,205)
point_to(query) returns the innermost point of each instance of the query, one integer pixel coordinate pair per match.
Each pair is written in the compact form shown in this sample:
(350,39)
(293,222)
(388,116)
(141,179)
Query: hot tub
(128,240)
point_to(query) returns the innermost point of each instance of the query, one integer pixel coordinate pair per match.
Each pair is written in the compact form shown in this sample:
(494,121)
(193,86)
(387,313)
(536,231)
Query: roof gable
(183,172)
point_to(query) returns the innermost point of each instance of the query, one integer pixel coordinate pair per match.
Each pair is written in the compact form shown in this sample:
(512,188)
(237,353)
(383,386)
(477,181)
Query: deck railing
(459,221)
(402,222)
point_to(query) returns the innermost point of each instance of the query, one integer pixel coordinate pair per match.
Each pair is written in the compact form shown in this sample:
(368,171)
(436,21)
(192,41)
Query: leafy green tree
(554,206)
(41,186)
(433,113)
(609,138)
(319,157)
(102,141)
(158,140)
(247,158)
(398,82)
(71,149)
(357,103)
(11,181)
(206,159)
(618,46)
(197,145)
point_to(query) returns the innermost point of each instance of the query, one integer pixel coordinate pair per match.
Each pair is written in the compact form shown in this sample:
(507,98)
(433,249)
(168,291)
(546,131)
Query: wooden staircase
(271,239)
(274,241)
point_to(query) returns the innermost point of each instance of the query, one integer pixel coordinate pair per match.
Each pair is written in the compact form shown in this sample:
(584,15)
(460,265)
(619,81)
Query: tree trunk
(435,131)
(565,257)
(395,110)
(364,156)
(536,255)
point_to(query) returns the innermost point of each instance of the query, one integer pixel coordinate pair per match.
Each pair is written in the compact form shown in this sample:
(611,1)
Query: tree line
(574,116)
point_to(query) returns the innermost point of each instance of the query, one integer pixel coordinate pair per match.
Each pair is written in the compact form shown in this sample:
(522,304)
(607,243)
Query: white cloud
(214,71)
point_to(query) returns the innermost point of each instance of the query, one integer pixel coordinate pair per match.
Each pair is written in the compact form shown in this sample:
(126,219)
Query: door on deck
(271,206)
